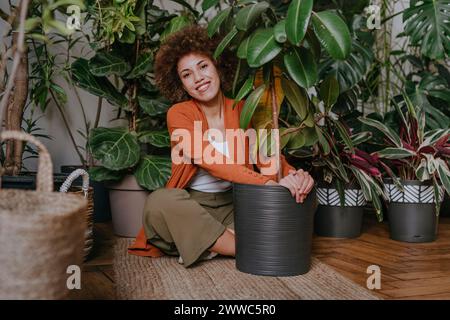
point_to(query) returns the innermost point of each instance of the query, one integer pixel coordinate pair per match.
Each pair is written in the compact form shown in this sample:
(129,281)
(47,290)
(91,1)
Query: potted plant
(133,159)
(278,46)
(349,178)
(416,161)
(35,87)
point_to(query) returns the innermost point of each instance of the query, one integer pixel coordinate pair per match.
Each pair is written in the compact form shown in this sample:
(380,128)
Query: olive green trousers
(187,222)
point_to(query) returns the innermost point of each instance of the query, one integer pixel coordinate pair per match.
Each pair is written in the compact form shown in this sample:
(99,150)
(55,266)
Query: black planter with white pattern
(334,220)
(412,212)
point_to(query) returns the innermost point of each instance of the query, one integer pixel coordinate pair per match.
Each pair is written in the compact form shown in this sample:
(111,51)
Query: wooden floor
(409,271)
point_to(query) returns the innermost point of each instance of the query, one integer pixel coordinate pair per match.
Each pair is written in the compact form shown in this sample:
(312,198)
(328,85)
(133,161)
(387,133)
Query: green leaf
(245,89)
(279,31)
(444,174)
(176,24)
(297,20)
(361,137)
(301,66)
(99,86)
(297,140)
(250,105)
(333,34)
(376,203)
(388,132)
(262,48)
(284,138)
(102,174)
(431,137)
(422,171)
(153,172)
(351,71)
(108,63)
(329,91)
(344,136)
(363,181)
(115,148)
(243,48)
(247,16)
(225,42)
(426,24)
(437,195)
(152,106)
(217,21)
(310,136)
(341,192)
(160,139)
(322,141)
(140,12)
(143,65)
(297,97)
(395,153)
(206,4)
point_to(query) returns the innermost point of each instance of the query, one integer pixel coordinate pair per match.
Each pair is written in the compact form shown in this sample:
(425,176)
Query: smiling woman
(193,216)
(192,39)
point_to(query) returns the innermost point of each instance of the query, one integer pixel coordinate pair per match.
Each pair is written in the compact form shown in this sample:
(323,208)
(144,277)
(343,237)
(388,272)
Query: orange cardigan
(182,116)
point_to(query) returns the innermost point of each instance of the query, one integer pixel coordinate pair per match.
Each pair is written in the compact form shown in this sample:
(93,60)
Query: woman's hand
(300,183)
(307,181)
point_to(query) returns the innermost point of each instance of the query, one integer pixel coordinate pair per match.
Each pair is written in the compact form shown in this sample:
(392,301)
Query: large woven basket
(41,234)
(86,192)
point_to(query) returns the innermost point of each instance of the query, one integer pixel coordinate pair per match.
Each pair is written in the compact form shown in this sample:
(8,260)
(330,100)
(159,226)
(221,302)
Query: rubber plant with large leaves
(128,35)
(287,53)
(278,46)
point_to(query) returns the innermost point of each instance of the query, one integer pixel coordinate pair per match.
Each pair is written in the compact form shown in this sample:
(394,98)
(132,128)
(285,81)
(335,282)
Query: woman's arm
(181,126)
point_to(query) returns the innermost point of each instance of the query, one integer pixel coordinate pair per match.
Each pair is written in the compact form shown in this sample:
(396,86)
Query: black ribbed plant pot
(273,232)
(338,222)
(412,222)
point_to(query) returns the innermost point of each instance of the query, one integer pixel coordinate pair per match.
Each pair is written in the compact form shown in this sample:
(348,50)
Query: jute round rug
(163,278)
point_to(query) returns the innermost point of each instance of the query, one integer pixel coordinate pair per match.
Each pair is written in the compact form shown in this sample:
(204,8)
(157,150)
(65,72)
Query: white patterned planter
(330,197)
(412,193)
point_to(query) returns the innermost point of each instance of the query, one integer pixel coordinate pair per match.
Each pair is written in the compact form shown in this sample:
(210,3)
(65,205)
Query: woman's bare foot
(225,245)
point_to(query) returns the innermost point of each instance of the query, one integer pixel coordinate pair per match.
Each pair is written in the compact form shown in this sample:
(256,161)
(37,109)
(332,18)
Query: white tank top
(203,181)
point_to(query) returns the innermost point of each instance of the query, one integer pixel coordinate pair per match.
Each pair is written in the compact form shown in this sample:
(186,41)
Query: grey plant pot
(445,208)
(412,215)
(273,232)
(127,201)
(334,220)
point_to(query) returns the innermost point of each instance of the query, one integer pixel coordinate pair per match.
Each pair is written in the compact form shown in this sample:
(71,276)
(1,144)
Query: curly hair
(187,40)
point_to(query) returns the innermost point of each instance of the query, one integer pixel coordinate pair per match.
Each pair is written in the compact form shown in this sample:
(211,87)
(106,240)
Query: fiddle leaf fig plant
(121,71)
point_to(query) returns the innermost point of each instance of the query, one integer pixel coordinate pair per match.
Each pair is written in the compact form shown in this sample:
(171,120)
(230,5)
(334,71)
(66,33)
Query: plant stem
(275,122)
(17,56)
(99,110)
